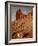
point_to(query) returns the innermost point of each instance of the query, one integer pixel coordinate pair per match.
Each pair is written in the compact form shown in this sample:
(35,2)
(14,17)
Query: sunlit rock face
(22,26)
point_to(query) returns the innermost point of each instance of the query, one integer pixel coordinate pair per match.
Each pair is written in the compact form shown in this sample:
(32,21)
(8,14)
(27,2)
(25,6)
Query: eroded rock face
(22,26)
